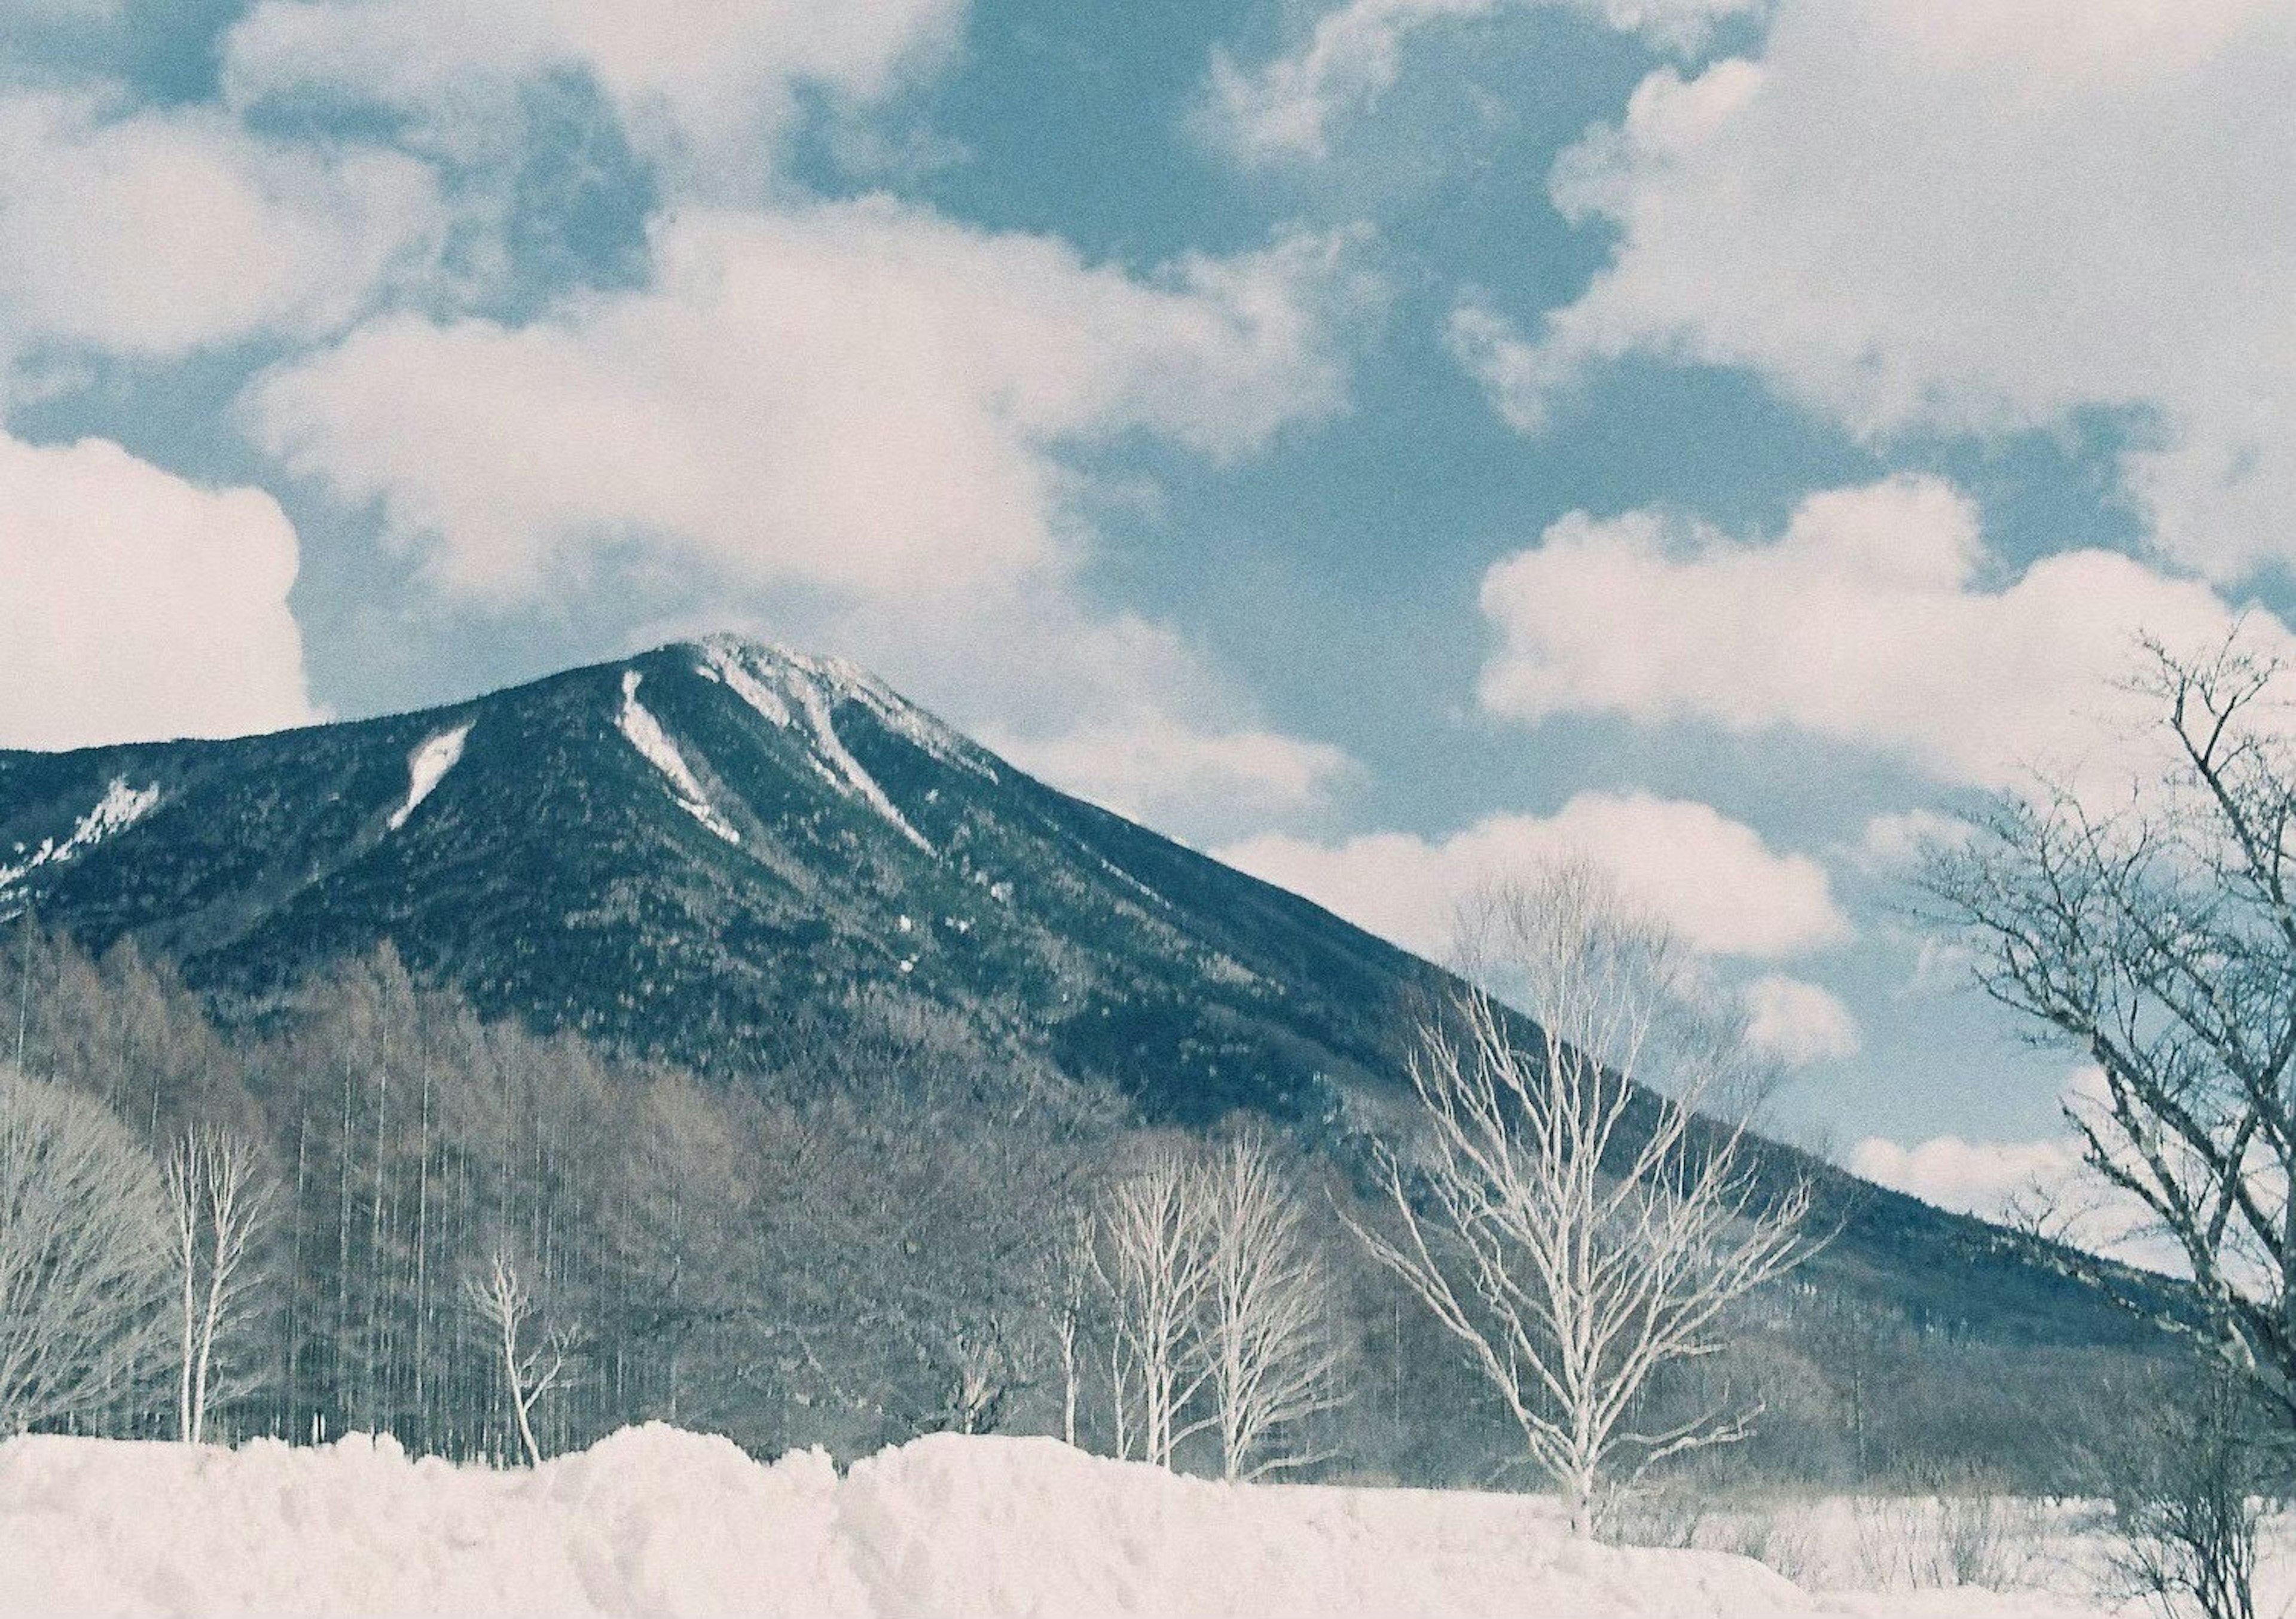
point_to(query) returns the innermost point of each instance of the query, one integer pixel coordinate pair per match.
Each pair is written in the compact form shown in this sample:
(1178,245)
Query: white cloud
(134,605)
(1965,216)
(158,233)
(707,84)
(1117,709)
(1284,108)
(861,395)
(1896,842)
(1711,878)
(1941,967)
(1798,1022)
(1988,1178)
(1166,770)
(2044,1182)
(1867,621)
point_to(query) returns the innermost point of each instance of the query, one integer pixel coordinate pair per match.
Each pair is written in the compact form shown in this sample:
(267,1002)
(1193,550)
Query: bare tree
(217,1210)
(1153,1260)
(1069,1296)
(1574,1227)
(2193,1474)
(503,1302)
(2157,937)
(83,1259)
(1269,1342)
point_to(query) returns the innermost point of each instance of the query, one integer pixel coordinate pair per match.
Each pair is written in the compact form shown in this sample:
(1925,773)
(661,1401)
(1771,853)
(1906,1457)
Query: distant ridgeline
(455,969)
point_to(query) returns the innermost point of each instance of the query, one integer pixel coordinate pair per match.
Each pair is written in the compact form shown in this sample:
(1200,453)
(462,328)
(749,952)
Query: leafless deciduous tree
(1574,1227)
(528,1372)
(1268,1344)
(1216,1303)
(1069,1296)
(1155,1265)
(2158,938)
(218,1207)
(83,1261)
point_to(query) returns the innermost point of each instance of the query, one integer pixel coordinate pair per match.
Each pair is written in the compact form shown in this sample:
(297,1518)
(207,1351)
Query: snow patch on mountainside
(722,659)
(653,1520)
(427,766)
(120,807)
(905,719)
(761,673)
(637,722)
(775,680)
(815,704)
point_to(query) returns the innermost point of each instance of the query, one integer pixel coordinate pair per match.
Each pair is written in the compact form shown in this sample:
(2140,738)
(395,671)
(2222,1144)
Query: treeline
(880,1229)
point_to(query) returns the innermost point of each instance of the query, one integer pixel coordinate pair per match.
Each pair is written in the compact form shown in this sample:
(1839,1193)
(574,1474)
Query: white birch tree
(217,1210)
(1069,1297)
(1574,1227)
(1269,1348)
(84,1276)
(1153,1260)
(503,1302)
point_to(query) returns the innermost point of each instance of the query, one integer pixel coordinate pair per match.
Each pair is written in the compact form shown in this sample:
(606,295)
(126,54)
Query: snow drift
(653,1520)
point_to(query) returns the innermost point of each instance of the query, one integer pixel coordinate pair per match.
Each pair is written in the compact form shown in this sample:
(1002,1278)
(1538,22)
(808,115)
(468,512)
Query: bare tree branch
(2156,938)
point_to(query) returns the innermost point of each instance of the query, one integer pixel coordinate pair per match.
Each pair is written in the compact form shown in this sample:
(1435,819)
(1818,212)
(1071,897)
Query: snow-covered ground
(657,1521)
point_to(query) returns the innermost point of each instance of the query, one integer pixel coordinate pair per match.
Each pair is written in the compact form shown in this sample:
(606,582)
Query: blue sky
(1385,442)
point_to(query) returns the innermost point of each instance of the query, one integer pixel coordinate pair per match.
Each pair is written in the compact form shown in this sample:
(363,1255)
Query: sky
(1384,443)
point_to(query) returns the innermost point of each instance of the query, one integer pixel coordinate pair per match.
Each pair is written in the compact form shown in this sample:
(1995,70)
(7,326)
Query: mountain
(689,853)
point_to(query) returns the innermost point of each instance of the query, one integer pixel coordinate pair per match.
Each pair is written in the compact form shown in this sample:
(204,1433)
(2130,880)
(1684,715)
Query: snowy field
(656,1521)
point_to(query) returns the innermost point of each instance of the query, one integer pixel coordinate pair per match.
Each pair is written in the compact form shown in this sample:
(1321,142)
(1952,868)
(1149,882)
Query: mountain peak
(792,688)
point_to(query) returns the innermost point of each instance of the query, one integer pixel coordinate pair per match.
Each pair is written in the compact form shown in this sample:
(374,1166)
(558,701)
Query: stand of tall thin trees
(882,1230)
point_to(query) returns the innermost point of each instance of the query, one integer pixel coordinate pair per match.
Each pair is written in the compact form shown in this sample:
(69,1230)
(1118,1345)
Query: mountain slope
(694,852)
(681,852)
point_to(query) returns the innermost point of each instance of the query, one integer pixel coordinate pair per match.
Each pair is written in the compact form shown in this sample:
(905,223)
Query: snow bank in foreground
(657,1521)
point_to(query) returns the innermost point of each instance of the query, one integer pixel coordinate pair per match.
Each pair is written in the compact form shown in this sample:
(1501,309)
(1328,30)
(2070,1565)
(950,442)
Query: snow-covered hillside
(656,1521)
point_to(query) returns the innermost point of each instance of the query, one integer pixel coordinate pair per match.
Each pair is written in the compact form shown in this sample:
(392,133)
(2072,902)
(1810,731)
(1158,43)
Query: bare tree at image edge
(2158,939)
(83,1258)
(1575,1229)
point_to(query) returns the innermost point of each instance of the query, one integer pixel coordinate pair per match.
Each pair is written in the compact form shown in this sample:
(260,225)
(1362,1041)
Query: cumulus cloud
(862,396)
(160,232)
(1961,216)
(1798,1022)
(135,605)
(1712,880)
(705,85)
(1170,771)
(1284,108)
(1988,1178)
(1867,621)
(2044,1181)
